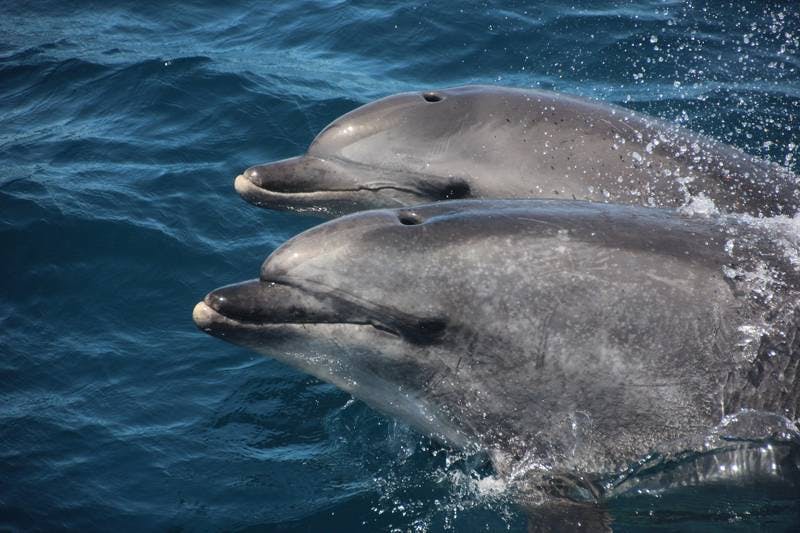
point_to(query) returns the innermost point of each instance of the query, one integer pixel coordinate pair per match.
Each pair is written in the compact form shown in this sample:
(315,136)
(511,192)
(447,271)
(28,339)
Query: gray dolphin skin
(494,142)
(569,340)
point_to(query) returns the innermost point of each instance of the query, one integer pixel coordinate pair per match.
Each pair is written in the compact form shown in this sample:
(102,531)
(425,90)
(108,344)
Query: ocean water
(122,126)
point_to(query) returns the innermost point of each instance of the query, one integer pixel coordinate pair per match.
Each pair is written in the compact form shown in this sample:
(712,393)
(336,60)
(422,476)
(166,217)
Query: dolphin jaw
(342,370)
(307,347)
(322,202)
(248,188)
(208,317)
(273,186)
(211,321)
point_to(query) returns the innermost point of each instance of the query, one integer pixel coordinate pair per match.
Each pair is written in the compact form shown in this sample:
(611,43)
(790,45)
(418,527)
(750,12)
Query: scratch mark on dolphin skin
(545,222)
(675,284)
(651,384)
(542,351)
(430,386)
(616,127)
(443,394)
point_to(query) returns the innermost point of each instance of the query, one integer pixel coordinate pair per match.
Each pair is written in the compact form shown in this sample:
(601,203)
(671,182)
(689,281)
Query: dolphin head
(325,304)
(406,149)
(393,306)
(569,340)
(520,326)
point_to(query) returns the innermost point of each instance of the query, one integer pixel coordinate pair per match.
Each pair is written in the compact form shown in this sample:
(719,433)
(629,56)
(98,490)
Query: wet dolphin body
(494,142)
(568,339)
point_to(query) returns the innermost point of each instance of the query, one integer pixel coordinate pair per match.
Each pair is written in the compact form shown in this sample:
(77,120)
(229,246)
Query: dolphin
(568,340)
(495,142)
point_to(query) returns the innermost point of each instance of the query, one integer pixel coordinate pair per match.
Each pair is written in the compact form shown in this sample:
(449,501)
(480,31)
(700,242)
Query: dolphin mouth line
(203,310)
(206,309)
(266,324)
(337,306)
(206,318)
(243,185)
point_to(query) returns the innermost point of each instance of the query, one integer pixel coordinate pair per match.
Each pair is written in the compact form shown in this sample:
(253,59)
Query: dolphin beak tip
(246,188)
(258,175)
(203,315)
(242,181)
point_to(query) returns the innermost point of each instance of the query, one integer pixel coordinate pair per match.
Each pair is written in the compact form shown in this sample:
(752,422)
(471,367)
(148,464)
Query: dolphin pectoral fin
(565,516)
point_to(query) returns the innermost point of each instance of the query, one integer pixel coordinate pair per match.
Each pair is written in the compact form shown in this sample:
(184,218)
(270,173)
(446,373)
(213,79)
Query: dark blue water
(121,130)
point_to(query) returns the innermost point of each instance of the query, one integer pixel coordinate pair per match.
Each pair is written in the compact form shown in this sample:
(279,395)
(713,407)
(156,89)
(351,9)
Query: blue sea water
(122,126)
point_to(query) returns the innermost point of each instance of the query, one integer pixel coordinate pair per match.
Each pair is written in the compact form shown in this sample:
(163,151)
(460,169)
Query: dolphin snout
(283,176)
(256,174)
(241,301)
(203,316)
(266,302)
(236,309)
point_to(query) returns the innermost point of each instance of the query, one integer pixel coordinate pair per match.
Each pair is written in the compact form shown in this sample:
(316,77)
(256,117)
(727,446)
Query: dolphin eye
(431,97)
(426,331)
(409,218)
(431,327)
(456,190)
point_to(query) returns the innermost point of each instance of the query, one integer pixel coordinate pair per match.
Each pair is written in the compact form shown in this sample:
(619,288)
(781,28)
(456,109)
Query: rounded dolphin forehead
(407,119)
(365,121)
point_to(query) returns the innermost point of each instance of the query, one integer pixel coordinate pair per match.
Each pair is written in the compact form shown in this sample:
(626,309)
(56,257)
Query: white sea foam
(699,205)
